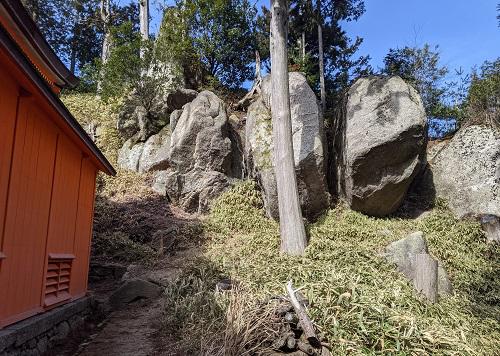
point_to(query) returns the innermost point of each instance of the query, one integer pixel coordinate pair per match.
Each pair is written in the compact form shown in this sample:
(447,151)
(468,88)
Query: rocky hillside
(358,273)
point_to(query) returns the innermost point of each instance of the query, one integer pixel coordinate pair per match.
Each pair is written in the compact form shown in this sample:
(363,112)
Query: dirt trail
(127,332)
(135,329)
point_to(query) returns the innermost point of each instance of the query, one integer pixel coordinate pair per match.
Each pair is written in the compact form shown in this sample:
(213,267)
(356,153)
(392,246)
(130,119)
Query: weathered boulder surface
(466,172)
(308,147)
(146,132)
(137,122)
(491,227)
(200,155)
(380,146)
(152,155)
(403,254)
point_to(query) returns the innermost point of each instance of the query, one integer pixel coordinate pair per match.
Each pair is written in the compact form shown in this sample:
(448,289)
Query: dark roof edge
(16,53)
(31,31)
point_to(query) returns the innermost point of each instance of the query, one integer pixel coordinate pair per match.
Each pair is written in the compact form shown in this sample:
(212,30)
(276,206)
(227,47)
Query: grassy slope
(358,300)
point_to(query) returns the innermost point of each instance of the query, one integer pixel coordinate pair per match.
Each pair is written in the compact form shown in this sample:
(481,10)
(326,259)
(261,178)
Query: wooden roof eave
(13,50)
(15,18)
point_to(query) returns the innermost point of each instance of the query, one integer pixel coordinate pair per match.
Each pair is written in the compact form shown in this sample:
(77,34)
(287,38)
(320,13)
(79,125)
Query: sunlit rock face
(466,172)
(201,155)
(380,144)
(308,147)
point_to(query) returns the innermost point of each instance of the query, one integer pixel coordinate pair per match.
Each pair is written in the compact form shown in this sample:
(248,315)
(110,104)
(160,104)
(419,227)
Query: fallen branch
(305,323)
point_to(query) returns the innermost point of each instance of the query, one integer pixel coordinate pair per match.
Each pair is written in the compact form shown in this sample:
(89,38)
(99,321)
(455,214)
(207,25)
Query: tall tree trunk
(321,58)
(144,21)
(106,43)
(293,234)
(303,42)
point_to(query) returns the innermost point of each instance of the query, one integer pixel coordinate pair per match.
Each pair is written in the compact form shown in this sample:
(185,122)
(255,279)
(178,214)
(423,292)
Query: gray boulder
(152,155)
(308,147)
(200,139)
(138,121)
(403,253)
(380,145)
(466,172)
(130,154)
(201,155)
(132,290)
(194,190)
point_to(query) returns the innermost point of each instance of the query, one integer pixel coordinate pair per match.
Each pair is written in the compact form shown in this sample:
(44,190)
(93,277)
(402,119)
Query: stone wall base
(38,334)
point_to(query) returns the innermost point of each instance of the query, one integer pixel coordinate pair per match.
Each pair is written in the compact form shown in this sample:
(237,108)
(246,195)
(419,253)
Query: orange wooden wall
(47,189)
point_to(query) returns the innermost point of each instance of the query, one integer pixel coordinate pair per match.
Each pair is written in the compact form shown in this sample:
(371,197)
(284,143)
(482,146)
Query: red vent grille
(58,280)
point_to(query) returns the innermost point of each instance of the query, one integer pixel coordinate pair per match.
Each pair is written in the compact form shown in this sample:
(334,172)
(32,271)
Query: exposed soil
(136,328)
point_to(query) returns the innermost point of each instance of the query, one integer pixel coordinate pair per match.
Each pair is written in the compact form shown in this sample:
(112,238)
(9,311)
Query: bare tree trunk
(303,47)
(321,58)
(106,19)
(256,87)
(106,43)
(144,21)
(72,62)
(293,234)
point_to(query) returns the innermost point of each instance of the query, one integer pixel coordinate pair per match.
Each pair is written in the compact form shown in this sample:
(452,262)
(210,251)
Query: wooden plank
(27,212)
(8,111)
(83,230)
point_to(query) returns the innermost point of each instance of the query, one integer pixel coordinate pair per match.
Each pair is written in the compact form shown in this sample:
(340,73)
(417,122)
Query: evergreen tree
(340,63)
(222,33)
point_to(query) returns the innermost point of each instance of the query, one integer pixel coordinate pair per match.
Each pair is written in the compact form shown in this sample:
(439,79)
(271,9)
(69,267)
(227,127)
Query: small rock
(43,345)
(491,226)
(224,285)
(133,290)
(63,330)
(403,253)
(291,318)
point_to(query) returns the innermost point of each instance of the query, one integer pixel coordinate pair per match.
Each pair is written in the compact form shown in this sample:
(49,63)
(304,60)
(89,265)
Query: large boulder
(308,147)
(380,144)
(201,155)
(152,155)
(466,172)
(138,121)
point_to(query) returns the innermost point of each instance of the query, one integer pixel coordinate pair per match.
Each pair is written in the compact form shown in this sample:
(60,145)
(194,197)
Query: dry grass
(358,300)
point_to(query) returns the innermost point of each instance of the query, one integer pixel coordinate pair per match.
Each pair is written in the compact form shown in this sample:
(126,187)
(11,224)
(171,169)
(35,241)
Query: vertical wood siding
(27,215)
(47,190)
(83,231)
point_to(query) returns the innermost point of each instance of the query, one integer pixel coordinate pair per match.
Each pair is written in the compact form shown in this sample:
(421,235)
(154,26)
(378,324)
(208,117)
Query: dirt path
(127,332)
(135,329)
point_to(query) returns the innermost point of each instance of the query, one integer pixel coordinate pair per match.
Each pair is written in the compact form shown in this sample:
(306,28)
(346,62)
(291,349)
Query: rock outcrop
(380,145)
(308,147)
(200,156)
(146,132)
(466,172)
(152,155)
(137,122)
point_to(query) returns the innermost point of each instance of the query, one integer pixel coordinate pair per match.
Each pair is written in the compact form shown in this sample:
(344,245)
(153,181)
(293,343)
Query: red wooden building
(48,167)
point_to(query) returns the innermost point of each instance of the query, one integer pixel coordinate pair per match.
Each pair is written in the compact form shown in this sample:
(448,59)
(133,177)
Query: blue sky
(466,30)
